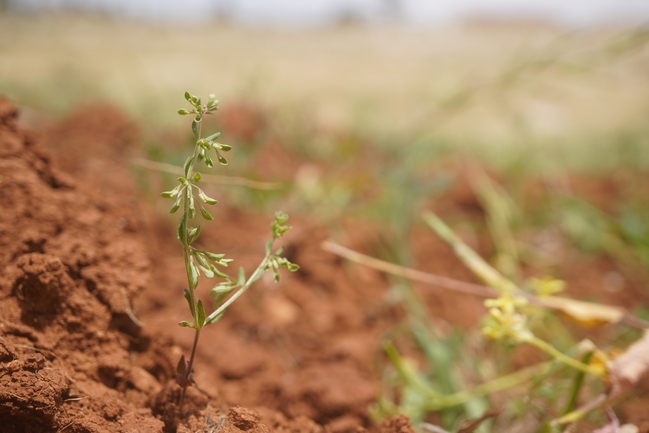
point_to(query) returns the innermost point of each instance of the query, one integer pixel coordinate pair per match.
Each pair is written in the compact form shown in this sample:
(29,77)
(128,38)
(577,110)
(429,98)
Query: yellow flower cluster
(506,322)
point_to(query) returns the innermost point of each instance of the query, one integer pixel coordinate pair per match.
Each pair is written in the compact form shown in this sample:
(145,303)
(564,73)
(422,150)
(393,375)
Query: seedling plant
(188,197)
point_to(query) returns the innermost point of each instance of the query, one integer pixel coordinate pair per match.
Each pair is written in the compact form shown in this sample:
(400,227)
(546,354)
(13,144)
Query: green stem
(185,245)
(254,277)
(407,375)
(496,385)
(470,258)
(576,386)
(187,258)
(559,356)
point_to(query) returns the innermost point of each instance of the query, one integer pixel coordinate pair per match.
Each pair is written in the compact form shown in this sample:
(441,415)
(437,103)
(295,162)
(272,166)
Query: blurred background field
(496,83)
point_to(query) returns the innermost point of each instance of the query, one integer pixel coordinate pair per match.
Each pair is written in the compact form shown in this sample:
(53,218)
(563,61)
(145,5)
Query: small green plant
(189,196)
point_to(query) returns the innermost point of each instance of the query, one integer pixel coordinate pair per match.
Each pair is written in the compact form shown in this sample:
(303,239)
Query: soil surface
(91,291)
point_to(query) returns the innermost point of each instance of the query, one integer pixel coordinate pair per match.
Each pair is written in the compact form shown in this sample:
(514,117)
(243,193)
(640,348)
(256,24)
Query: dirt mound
(72,266)
(76,259)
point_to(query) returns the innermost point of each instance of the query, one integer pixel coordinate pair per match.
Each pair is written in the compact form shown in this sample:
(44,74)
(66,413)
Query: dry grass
(504,80)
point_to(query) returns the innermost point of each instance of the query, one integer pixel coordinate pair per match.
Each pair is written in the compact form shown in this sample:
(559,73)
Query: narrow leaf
(192,207)
(181,368)
(195,127)
(187,165)
(193,275)
(212,137)
(242,276)
(200,319)
(206,198)
(193,235)
(182,229)
(188,296)
(292,267)
(176,204)
(205,213)
(172,193)
(200,258)
(217,272)
(207,271)
(224,287)
(222,160)
(212,256)
(186,324)
(212,102)
(204,265)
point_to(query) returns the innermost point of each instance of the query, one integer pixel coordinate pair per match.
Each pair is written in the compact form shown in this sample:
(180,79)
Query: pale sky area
(318,12)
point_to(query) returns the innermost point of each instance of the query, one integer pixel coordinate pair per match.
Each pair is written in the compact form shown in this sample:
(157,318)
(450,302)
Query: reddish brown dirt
(82,254)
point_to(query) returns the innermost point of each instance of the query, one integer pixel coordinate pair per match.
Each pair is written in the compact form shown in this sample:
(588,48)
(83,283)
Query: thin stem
(407,375)
(551,302)
(496,385)
(254,277)
(411,274)
(190,365)
(560,356)
(438,401)
(185,244)
(576,386)
(579,413)
(187,258)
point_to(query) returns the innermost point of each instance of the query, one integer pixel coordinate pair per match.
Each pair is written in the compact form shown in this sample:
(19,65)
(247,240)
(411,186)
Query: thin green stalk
(560,356)
(470,258)
(253,278)
(187,259)
(579,413)
(407,375)
(440,402)
(496,385)
(185,244)
(576,386)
